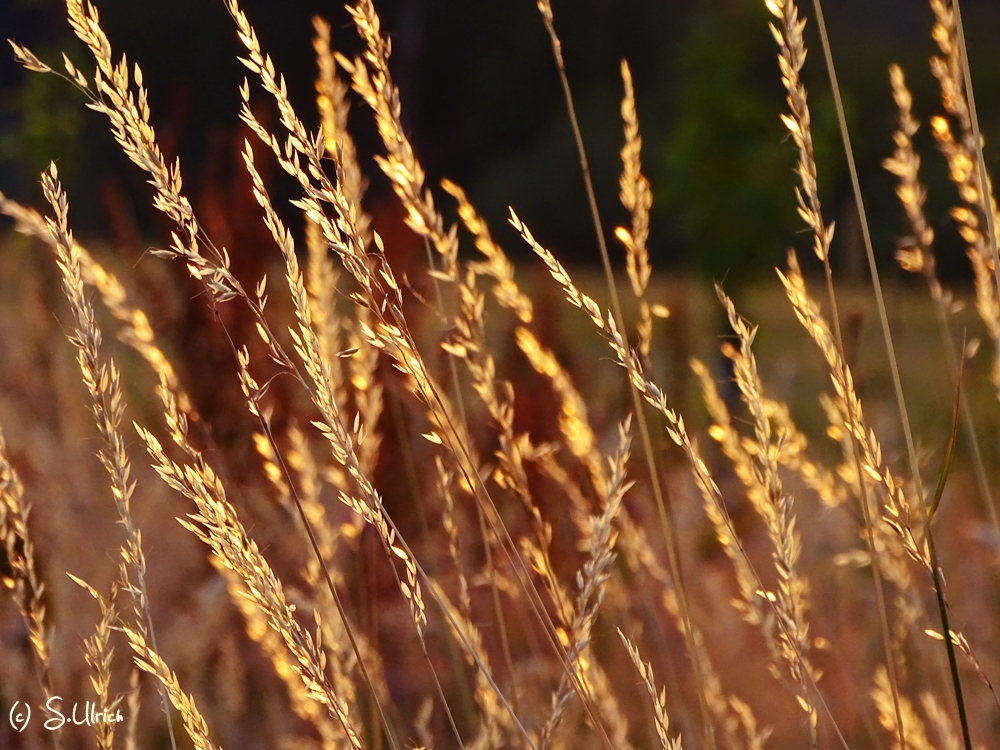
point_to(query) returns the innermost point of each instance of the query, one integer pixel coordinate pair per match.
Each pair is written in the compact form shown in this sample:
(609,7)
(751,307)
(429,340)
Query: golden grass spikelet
(659,699)
(894,563)
(636,196)
(331,101)
(750,606)
(916,734)
(573,295)
(217,525)
(626,358)
(896,510)
(371,80)
(300,459)
(136,329)
(308,347)
(675,426)
(948,70)
(99,655)
(790,61)
(591,579)
(729,713)
(916,254)
(496,264)
(634,192)
(337,690)
(128,115)
(272,471)
(321,288)
(962,156)
(449,521)
(149,661)
(25,583)
(270,642)
(779,519)
(573,422)
(792,453)
(332,104)
(102,380)
(966,178)
(965,648)
(380,293)
(27,58)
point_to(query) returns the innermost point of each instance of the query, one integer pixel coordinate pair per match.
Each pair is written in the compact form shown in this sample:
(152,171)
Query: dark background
(482,105)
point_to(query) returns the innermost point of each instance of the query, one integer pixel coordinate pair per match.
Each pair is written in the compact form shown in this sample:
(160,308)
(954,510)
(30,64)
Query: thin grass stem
(894,365)
(667,525)
(986,194)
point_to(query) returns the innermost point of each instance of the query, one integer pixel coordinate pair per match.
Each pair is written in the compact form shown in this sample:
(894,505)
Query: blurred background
(483,107)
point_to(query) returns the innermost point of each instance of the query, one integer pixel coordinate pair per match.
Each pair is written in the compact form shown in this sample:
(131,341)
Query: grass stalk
(103,382)
(894,365)
(667,525)
(676,429)
(491,570)
(986,196)
(791,61)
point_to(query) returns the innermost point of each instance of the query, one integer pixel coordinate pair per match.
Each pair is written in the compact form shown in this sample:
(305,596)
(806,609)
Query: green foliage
(49,124)
(729,168)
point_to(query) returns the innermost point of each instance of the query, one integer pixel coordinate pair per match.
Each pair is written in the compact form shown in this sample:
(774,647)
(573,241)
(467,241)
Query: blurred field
(50,439)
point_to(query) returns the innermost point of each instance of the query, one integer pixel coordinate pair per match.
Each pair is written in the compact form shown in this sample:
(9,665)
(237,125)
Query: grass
(428,512)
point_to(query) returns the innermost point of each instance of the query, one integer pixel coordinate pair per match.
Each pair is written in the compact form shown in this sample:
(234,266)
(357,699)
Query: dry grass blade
(99,656)
(985,195)
(371,79)
(976,214)
(637,197)
(776,508)
(259,629)
(580,439)
(949,448)
(449,574)
(793,55)
(380,293)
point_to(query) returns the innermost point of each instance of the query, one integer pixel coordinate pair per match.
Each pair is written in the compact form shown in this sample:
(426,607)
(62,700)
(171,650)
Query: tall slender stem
(667,525)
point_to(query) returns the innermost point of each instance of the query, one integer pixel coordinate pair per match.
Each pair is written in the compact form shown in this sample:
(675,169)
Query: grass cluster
(405,519)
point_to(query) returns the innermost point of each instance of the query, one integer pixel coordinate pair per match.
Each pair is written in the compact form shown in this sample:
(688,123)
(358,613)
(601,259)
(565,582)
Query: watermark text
(86,713)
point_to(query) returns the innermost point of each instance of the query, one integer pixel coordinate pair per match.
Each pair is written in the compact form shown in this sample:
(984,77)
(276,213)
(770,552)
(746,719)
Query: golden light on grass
(424,523)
